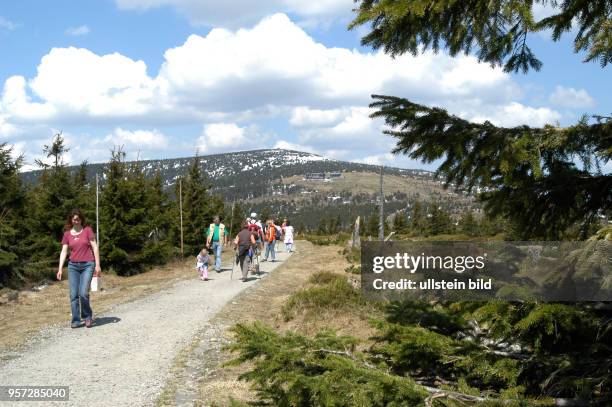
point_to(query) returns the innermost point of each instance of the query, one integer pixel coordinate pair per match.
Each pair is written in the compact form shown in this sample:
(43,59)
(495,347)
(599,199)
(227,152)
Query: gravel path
(124,360)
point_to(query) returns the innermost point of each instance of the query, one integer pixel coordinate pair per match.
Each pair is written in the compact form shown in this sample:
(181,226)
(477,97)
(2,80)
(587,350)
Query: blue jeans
(80,274)
(270,250)
(217,249)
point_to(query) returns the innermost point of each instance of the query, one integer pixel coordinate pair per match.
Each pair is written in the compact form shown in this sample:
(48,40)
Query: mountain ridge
(224,170)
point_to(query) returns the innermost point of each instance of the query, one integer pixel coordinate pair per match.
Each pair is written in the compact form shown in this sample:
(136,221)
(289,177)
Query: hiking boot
(88,323)
(76,324)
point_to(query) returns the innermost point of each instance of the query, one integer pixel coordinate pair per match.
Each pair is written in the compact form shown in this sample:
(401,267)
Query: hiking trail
(125,358)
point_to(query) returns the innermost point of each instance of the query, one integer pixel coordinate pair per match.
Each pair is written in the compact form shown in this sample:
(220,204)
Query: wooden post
(381,212)
(231,229)
(356,237)
(97,212)
(181,211)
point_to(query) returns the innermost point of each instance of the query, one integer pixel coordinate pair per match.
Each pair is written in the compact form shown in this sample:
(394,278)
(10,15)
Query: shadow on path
(106,320)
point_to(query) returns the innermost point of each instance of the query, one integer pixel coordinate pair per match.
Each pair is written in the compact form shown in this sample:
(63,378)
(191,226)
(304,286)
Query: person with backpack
(255,228)
(279,234)
(270,240)
(243,243)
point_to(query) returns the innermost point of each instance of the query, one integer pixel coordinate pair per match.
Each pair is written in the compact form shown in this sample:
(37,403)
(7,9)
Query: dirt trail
(125,359)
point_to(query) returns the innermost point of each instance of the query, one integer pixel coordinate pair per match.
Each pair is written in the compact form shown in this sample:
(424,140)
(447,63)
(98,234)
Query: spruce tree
(115,201)
(418,219)
(199,207)
(12,205)
(322,228)
(137,209)
(84,192)
(399,222)
(264,215)
(531,175)
(439,221)
(468,224)
(497,31)
(51,201)
(234,216)
(372,226)
(158,246)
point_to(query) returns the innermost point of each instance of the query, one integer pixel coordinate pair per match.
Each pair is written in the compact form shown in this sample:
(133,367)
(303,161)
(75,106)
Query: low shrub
(324,277)
(334,294)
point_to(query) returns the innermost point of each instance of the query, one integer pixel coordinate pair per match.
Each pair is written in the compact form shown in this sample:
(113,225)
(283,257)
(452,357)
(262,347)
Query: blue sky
(167,78)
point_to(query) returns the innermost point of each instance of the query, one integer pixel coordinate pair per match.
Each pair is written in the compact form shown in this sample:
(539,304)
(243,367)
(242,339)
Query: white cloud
(225,137)
(141,139)
(78,31)
(571,98)
(16,104)
(81,81)
(232,79)
(224,14)
(305,116)
(268,68)
(7,24)
(6,129)
(517,114)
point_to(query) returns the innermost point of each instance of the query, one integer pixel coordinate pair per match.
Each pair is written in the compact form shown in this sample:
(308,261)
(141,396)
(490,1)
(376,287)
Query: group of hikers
(253,239)
(84,259)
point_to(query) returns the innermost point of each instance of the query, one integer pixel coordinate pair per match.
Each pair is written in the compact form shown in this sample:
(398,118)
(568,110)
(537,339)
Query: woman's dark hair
(287,223)
(73,213)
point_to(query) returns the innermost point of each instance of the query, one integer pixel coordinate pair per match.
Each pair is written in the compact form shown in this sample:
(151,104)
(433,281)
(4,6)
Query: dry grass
(24,313)
(265,303)
(369,182)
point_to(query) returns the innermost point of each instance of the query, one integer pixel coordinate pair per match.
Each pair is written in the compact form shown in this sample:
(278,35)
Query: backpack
(279,232)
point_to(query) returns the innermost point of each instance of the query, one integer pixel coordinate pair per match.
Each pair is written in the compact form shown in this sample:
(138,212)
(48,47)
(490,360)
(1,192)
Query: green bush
(294,370)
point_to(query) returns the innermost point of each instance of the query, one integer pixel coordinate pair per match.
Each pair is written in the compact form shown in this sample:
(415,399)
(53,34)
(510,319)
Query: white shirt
(288,234)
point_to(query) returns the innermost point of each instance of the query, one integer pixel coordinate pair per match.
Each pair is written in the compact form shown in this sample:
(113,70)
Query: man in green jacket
(216,238)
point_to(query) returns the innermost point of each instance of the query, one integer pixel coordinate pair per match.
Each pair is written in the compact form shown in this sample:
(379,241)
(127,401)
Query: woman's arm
(96,252)
(63,255)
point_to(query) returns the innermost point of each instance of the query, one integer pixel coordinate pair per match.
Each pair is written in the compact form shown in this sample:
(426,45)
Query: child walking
(202,264)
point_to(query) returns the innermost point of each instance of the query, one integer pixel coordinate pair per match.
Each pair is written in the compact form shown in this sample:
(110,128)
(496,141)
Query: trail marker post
(381,212)
(181,212)
(97,211)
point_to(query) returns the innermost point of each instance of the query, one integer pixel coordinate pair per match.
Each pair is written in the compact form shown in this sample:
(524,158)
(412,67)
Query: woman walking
(84,259)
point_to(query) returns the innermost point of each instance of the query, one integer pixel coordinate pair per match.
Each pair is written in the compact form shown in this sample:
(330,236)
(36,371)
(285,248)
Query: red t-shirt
(80,245)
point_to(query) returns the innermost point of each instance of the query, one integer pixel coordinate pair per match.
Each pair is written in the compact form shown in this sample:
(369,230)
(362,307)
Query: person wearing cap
(257,231)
